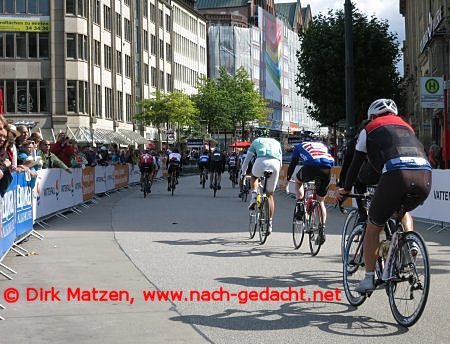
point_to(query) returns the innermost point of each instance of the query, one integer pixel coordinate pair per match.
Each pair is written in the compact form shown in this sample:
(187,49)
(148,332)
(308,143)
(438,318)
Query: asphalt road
(194,242)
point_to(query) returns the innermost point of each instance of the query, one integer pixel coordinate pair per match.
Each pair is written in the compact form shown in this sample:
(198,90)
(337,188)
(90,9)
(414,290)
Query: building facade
(264,41)
(82,65)
(426,54)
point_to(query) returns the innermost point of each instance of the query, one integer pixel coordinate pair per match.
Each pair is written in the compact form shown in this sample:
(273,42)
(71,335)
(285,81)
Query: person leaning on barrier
(6,155)
(49,159)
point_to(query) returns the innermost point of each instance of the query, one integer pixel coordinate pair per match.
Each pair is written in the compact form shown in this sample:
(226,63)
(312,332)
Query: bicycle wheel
(410,280)
(314,223)
(252,222)
(298,230)
(263,220)
(353,266)
(350,222)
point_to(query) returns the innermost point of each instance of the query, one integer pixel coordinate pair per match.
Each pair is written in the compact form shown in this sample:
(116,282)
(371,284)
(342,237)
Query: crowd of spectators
(22,151)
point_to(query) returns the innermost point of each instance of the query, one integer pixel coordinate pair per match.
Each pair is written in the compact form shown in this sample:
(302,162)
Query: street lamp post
(349,71)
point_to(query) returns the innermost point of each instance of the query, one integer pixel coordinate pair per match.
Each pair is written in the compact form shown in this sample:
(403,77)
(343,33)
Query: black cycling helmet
(175,150)
(263,132)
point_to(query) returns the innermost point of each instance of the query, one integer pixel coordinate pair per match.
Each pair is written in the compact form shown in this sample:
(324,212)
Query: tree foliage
(321,74)
(230,102)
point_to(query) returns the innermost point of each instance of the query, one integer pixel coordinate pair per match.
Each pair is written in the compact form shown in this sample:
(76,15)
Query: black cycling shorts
(147,168)
(216,167)
(391,192)
(320,175)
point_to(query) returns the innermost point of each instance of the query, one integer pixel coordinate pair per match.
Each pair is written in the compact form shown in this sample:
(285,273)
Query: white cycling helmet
(381,106)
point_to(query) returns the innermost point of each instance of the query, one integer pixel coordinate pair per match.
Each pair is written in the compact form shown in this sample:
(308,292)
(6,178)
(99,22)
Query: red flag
(1,101)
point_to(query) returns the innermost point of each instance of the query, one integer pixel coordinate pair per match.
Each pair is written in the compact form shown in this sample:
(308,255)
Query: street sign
(432,92)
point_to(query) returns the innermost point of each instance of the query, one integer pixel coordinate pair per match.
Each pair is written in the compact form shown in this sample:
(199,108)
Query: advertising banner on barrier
(109,177)
(437,205)
(134,175)
(8,229)
(67,190)
(100,179)
(332,188)
(47,192)
(24,204)
(77,175)
(88,183)
(120,176)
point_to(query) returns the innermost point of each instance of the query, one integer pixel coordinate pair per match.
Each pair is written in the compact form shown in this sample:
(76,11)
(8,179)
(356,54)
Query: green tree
(182,111)
(321,74)
(230,102)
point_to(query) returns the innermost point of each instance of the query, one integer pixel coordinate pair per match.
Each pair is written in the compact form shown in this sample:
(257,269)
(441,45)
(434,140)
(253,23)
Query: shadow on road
(330,317)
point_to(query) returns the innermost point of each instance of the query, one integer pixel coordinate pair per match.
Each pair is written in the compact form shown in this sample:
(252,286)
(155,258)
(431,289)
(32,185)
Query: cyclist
(241,159)
(173,162)
(391,147)
(232,165)
(146,166)
(317,163)
(203,163)
(217,164)
(157,165)
(268,157)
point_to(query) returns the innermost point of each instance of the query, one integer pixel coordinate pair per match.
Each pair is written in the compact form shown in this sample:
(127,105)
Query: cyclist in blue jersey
(268,158)
(317,163)
(203,163)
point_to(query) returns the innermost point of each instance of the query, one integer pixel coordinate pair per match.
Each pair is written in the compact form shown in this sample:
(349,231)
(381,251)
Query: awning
(113,136)
(87,135)
(133,137)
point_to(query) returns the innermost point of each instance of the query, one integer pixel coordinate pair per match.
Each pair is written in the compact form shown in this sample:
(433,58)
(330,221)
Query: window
(71,45)
(25,96)
(129,110)
(169,83)
(145,38)
(108,103)
(161,80)
(145,8)
(72,96)
(43,45)
(82,97)
(76,7)
(107,55)
(21,45)
(127,2)
(119,115)
(168,26)
(168,52)
(107,17)
(127,28)
(118,25)
(161,18)
(43,6)
(161,49)
(96,12)
(77,46)
(153,44)
(97,53)
(119,62)
(98,101)
(32,45)
(152,13)
(154,81)
(146,74)
(128,67)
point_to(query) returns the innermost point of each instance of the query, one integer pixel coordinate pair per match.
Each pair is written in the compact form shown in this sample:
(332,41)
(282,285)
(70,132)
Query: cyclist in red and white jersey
(391,147)
(173,162)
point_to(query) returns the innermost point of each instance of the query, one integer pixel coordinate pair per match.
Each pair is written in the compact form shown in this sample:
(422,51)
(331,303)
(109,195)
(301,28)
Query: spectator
(27,157)
(88,153)
(434,155)
(103,156)
(36,137)
(63,148)
(6,156)
(76,159)
(23,134)
(115,154)
(50,160)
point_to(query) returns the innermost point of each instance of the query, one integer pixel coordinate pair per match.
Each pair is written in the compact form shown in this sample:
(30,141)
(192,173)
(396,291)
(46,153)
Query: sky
(382,9)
